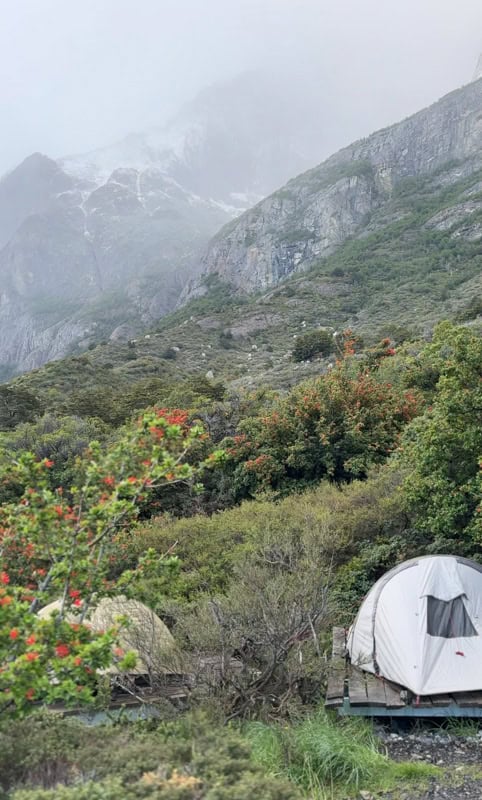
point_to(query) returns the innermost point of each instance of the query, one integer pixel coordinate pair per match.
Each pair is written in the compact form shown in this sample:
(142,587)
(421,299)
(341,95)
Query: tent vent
(448,619)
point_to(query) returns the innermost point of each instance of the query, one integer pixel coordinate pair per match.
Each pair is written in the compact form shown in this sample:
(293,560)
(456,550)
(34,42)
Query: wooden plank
(357,690)
(439,700)
(335,702)
(424,701)
(392,695)
(468,699)
(339,643)
(375,691)
(336,685)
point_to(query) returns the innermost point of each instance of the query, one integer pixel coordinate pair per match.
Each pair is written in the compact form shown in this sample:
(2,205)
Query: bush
(314,343)
(335,427)
(169,354)
(190,759)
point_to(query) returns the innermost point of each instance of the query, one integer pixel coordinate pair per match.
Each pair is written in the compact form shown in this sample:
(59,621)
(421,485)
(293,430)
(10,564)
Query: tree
(334,427)
(269,620)
(57,543)
(313,343)
(17,405)
(443,448)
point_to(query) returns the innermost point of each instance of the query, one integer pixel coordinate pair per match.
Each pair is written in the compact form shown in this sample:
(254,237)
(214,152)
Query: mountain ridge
(328,204)
(101,245)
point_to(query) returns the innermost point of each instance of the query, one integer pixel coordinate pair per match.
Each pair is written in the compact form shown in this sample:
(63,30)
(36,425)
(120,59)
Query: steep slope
(316,212)
(88,262)
(101,244)
(419,261)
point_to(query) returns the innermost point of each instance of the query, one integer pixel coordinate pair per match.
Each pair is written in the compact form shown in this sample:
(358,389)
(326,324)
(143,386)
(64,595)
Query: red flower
(108,480)
(30,694)
(77,602)
(5,601)
(32,656)
(14,633)
(62,650)
(31,639)
(48,463)
(59,511)
(132,479)
(77,661)
(118,652)
(4,578)
(74,593)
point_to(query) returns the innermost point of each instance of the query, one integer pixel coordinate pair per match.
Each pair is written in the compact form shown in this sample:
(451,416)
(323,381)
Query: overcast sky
(78,74)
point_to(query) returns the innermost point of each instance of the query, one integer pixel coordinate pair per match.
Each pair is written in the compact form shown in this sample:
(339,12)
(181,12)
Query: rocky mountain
(343,198)
(100,245)
(478,69)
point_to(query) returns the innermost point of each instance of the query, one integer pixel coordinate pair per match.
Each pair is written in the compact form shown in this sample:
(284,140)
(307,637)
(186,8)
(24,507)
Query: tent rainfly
(421,626)
(145,633)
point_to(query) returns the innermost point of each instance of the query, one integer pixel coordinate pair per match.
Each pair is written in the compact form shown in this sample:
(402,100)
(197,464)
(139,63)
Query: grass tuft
(329,758)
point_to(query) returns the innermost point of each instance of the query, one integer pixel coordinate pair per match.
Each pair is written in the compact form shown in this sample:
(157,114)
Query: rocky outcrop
(87,259)
(316,212)
(478,69)
(97,244)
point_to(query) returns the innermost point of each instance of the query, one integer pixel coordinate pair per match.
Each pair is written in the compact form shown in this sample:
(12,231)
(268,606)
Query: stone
(318,211)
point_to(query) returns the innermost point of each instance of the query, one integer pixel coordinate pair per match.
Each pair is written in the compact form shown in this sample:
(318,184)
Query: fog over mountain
(136,130)
(99,245)
(81,74)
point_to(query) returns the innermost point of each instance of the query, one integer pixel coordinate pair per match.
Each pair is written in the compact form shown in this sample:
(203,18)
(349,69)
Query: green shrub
(313,343)
(189,759)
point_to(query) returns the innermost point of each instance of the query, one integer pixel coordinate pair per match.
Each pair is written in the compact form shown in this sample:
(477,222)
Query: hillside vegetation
(396,281)
(247,469)
(316,492)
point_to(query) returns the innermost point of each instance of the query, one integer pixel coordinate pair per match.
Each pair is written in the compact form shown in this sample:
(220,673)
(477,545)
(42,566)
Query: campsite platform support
(353,692)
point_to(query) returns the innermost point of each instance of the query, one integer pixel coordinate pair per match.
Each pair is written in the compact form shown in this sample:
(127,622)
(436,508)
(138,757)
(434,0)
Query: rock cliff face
(319,210)
(79,260)
(101,244)
(478,69)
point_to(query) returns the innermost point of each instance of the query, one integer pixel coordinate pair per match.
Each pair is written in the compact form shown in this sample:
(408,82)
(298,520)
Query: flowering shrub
(56,543)
(334,427)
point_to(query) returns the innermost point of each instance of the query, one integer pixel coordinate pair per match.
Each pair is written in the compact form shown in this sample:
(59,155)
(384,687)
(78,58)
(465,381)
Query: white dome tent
(421,626)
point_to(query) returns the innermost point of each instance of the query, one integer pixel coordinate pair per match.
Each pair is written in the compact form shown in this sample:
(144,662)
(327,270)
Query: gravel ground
(458,756)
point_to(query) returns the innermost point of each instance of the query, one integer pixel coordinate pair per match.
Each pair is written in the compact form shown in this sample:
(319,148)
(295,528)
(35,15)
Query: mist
(79,74)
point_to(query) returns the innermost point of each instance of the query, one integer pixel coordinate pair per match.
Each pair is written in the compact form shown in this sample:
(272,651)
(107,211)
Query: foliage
(59,439)
(59,543)
(335,427)
(17,405)
(188,759)
(270,621)
(210,548)
(443,448)
(313,343)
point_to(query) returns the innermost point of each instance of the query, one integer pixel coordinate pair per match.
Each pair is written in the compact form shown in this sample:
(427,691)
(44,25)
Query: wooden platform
(353,692)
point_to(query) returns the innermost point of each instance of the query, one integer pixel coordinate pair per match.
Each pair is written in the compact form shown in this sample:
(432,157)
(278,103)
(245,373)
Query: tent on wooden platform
(420,626)
(144,633)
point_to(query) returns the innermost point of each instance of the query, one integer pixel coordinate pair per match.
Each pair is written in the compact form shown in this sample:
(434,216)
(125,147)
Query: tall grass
(326,756)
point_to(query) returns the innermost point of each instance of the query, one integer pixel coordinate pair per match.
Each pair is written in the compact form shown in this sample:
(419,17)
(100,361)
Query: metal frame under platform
(353,692)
